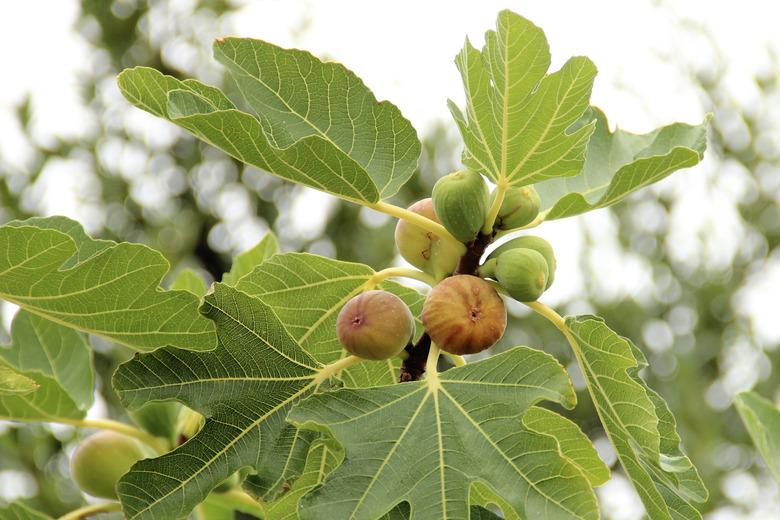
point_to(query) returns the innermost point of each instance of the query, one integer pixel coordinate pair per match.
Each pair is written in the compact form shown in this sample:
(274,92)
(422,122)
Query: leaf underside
(53,269)
(426,444)
(637,421)
(762,420)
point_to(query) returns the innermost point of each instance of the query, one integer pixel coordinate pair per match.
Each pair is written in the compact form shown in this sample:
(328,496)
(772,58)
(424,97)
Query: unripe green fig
(460,200)
(422,248)
(523,273)
(538,244)
(519,208)
(101,460)
(464,315)
(158,418)
(190,423)
(375,325)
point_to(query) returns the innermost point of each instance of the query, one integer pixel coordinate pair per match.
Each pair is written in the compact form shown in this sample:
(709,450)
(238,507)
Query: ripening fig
(101,460)
(423,249)
(538,244)
(522,272)
(519,208)
(375,325)
(460,200)
(464,315)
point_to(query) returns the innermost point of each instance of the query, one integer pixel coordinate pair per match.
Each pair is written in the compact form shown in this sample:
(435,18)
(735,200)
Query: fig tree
(538,244)
(464,315)
(422,248)
(522,272)
(101,460)
(519,208)
(460,200)
(375,325)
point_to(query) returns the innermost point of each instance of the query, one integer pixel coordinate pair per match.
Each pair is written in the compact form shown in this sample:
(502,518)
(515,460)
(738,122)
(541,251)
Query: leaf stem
(404,272)
(334,368)
(158,444)
(432,374)
(490,220)
(416,219)
(91,509)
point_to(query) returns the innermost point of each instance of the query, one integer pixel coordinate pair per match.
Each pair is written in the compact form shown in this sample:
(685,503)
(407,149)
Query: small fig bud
(538,244)
(422,248)
(519,208)
(464,315)
(101,460)
(523,273)
(461,203)
(375,325)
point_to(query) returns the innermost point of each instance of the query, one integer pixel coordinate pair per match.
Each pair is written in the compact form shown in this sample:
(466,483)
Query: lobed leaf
(762,421)
(245,262)
(620,163)
(637,421)
(427,442)
(57,360)
(308,291)
(518,119)
(20,511)
(297,96)
(244,388)
(189,280)
(53,269)
(338,140)
(13,383)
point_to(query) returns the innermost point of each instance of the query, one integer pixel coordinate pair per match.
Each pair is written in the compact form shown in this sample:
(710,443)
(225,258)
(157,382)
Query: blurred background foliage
(142,180)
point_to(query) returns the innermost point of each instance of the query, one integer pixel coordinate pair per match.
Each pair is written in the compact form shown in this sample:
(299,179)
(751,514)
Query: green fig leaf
(637,421)
(57,360)
(364,154)
(619,163)
(516,126)
(574,444)
(244,388)
(762,421)
(191,281)
(53,269)
(307,292)
(19,511)
(427,442)
(14,383)
(244,262)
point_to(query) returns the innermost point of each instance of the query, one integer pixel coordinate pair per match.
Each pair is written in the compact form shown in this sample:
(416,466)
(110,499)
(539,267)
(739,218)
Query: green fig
(375,325)
(422,248)
(189,424)
(538,244)
(158,418)
(522,272)
(464,315)
(460,200)
(101,460)
(519,208)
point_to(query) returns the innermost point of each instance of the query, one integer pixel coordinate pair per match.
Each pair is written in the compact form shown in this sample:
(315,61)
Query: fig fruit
(460,201)
(538,244)
(519,208)
(375,325)
(522,272)
(422,248)
(101,460)
(464,315)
